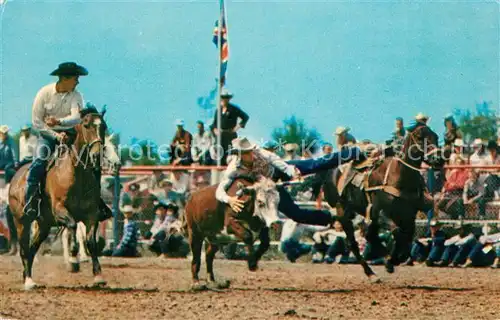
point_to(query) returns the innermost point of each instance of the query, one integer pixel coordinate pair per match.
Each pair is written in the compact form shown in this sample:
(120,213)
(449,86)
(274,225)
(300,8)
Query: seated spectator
(457,248)
(165,236)
(478,156)
(128,243)
(431,248)
(156,180)
(181,145)
(492,177)
(329,244)
(202,142)
(290,244)
(474,193)
(484,252)
(450,198)
(458,156)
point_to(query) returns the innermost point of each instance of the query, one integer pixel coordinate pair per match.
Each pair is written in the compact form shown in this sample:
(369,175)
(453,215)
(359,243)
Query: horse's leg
(196,242)
(65,245)
(265,241)
(81,233)
(246,236)
(354,246)
(93,248)
(24,230)
(62,216)
(403,236)
(210,251)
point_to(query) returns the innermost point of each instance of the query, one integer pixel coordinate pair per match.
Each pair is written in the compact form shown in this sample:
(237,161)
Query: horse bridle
(88,145)
(414,141)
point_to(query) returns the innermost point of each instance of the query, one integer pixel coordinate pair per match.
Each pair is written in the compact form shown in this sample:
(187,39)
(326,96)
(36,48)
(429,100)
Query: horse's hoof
(74,267)
(219,284)
(374,278)
(198,287)
(389,267)
(99,281)
(252,266)
(29,284)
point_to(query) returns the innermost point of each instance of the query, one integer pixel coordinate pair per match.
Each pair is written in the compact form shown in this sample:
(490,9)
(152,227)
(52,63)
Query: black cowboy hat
(69,69)
(161,204)
(134,187)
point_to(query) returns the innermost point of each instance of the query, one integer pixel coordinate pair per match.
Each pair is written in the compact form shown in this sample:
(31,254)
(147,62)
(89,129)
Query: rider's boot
(32,207)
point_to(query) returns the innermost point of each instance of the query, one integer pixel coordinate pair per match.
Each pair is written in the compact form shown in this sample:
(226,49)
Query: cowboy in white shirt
(27,144)
(202,142)
(56,110)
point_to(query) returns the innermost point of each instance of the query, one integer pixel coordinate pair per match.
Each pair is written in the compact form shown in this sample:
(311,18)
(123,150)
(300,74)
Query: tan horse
(70,194)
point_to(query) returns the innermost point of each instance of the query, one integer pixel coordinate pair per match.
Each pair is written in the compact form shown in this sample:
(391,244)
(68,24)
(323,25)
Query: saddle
(357,173)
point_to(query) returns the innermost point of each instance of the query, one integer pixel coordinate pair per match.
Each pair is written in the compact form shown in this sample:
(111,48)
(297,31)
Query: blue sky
(356,64)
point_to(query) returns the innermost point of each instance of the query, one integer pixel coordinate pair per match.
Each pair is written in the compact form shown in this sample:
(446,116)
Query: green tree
(482,123)
(295,131)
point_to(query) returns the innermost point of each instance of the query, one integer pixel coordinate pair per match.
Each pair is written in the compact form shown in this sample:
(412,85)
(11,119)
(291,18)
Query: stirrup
(32,210)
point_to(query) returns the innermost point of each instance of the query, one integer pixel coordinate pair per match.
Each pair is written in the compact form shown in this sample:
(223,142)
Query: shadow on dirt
(106,289)
(433,288)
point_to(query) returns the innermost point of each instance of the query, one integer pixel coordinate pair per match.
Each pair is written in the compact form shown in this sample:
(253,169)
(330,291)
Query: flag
(224,49)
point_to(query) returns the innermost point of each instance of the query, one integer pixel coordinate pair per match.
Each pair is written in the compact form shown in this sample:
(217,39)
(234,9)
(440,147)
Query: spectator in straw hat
(291,151)
(232,120)
(181,145)
(343,137)
(27,144)
(457,151)
(128,243)
(422,118)
(478,156)
(7,154)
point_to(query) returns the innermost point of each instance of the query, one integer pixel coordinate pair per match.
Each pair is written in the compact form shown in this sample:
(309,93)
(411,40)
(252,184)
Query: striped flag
(224,49)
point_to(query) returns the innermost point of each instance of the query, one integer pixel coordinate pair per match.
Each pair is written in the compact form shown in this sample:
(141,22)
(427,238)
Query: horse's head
(91,134)
(266,199)
(421,144)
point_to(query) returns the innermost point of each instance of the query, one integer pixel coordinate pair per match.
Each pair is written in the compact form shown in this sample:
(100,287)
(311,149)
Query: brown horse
(206,217)
(71,193)
(395,187)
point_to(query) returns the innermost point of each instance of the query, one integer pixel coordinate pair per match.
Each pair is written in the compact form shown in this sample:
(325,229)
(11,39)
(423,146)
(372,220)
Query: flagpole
(219,88)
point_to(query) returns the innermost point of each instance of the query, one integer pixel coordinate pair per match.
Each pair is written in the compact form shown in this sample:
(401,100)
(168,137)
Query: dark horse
(394,185)
(206,217)
(71,193)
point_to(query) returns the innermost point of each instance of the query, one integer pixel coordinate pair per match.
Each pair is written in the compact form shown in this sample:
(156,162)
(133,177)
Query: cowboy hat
(226,94)
(341,130)
(134,187)
(242,144)
(477,142)
(4,129)
(127,208)
(25,128)
(179,122)
(69,69)
(159,205)
(421,116)
(458,143)
(291,146)
(435,223)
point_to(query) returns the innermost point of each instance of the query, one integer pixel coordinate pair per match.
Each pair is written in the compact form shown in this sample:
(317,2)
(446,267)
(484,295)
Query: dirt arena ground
(149,288)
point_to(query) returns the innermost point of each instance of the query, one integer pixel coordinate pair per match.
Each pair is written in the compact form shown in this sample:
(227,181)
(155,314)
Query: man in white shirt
(56,110)
(27,144)
(202,142)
